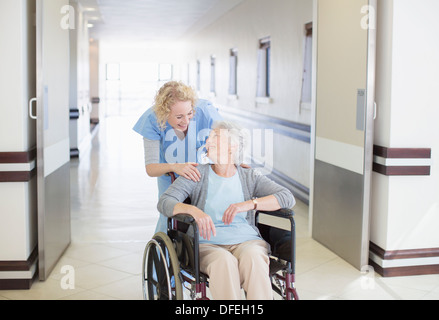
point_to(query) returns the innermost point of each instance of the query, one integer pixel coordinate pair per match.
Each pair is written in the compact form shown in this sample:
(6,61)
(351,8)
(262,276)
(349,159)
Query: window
(305,101)
(212,74)
(188,77)
(128,86)
(198,75)
(263,80)
(233,85)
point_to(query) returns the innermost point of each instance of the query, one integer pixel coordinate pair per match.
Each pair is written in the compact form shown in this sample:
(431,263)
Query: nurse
(174,133)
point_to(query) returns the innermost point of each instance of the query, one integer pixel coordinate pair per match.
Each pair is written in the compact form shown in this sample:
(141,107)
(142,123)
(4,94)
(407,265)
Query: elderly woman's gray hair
(238,136)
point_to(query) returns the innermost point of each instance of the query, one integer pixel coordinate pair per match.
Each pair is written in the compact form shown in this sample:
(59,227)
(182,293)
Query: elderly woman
(232,252)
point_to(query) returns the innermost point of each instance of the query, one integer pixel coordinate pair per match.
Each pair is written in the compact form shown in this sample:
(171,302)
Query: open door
(53,150)
(345,76)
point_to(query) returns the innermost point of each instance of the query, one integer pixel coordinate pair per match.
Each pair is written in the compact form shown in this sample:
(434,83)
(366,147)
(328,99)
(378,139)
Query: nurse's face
(180,116)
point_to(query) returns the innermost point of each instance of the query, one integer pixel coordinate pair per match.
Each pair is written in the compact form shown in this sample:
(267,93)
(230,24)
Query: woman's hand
(188,170)
(234,209)
(267,203)
(206,227)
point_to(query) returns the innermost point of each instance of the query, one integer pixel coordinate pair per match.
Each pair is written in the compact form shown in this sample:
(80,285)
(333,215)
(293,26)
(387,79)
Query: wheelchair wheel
(161,270)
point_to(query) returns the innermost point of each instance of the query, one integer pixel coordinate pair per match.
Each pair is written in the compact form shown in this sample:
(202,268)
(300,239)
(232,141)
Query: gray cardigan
(254,185)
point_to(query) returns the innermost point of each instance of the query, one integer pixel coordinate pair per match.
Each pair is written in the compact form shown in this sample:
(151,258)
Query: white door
(345,70)
(53,150)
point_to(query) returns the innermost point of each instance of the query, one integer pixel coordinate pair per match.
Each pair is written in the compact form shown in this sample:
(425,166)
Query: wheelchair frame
(180,273)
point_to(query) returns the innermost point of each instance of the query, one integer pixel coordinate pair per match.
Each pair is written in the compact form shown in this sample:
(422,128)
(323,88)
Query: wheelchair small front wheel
(161,270)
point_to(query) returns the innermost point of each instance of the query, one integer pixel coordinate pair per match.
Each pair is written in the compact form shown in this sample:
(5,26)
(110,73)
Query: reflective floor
(114,215)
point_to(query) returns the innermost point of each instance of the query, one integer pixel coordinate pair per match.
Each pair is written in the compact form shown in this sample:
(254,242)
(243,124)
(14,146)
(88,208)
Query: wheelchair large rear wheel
(161,270)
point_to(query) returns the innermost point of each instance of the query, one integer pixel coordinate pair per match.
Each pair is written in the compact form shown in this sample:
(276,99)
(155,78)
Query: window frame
(233,73)
(198,80)
(212,74)
(306,90)
(263,93)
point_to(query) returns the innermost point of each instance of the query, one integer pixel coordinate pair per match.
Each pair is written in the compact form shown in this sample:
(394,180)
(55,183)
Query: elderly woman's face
(219,148)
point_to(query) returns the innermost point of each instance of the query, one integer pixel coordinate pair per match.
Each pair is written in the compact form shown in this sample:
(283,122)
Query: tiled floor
(114,216)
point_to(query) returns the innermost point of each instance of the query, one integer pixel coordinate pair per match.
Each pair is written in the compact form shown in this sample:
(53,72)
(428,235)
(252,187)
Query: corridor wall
(18,209)
(242,29)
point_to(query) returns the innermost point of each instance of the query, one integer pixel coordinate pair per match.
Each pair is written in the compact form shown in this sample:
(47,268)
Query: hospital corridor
(336,102)
(114,216)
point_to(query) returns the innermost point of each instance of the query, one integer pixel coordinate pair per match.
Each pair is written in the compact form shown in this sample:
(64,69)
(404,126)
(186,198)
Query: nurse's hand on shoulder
(188,170)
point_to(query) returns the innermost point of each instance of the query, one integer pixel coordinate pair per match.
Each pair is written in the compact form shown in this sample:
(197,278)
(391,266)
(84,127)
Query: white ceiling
(152,20)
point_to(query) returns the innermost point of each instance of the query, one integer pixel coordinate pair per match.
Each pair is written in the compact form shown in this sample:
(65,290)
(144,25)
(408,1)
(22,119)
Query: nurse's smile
(181,115)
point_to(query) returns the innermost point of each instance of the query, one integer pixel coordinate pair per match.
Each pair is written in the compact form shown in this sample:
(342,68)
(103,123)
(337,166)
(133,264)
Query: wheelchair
(171,261)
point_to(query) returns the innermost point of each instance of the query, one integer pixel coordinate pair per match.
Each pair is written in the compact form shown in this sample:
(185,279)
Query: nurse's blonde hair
(169,94)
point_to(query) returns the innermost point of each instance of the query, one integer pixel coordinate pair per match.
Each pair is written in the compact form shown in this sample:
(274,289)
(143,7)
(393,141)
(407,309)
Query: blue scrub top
(174,150)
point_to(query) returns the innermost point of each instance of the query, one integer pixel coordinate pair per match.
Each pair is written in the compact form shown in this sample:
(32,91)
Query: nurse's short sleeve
(211,113)
(147,126)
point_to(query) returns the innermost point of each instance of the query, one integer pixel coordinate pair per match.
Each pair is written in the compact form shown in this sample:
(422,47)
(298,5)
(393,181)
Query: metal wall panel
(345,88)
(53,152)
(338,224)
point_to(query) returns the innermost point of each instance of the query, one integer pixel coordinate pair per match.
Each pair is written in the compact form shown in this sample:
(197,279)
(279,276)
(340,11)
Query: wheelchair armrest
(281,213)
(185,218)
(182,222)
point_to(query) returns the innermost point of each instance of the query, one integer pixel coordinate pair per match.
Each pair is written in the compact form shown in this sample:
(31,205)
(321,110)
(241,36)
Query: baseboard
(399,263)
(16,284)
(19,275)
